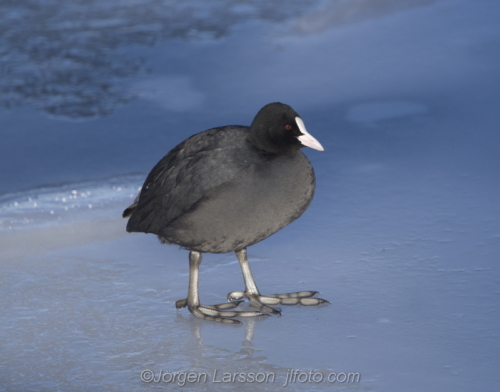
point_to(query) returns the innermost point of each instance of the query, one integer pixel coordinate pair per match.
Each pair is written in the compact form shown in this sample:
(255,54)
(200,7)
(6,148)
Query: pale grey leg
(262,301)
(209,312)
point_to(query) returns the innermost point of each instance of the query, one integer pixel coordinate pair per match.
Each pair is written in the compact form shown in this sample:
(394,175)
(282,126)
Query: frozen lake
(402,237)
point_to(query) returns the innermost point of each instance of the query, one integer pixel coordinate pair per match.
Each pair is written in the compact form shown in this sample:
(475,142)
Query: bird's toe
(221,314)
(264,302)
(182,303)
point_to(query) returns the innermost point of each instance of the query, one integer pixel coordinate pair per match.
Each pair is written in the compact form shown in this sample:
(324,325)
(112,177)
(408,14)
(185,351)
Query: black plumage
(230,187)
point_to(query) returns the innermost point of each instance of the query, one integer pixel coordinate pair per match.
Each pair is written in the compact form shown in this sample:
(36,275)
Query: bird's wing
(185,175)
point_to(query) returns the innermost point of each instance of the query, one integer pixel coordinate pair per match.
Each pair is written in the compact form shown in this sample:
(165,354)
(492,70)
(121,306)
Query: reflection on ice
(99,317)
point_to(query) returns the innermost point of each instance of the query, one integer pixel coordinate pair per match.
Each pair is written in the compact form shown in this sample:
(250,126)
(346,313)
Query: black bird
(225,189)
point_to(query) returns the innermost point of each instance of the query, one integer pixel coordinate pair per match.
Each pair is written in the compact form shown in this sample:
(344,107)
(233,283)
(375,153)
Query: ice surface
(56,206)
(403,236)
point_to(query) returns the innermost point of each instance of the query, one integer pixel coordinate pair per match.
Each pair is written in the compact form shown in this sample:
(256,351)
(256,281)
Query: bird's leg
(209,312)
(262,301)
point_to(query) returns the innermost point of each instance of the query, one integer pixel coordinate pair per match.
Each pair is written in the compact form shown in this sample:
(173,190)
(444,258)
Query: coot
(225,189)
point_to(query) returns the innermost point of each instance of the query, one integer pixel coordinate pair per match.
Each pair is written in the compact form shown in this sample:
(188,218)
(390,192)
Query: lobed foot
(262,301)
(218,312)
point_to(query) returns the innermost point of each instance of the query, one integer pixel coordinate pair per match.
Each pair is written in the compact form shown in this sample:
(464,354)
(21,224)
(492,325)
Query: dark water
(94,89)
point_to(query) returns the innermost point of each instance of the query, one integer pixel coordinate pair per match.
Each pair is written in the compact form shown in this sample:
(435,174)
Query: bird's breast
(263,198)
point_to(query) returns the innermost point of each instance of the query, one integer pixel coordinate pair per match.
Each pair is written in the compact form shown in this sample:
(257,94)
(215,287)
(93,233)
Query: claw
(298,294)
(312,301)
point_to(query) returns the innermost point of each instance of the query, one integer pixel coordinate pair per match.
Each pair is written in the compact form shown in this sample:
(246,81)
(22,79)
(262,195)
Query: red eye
(288,126)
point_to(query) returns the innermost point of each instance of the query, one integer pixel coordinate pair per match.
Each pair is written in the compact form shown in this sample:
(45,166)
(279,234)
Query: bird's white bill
(306,138)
